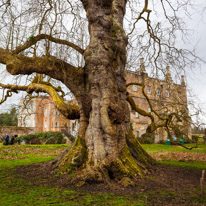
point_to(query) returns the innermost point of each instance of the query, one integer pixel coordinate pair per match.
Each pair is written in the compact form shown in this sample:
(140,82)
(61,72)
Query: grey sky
(196,78)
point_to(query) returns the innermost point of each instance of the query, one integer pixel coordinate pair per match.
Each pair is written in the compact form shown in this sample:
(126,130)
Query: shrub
(42,138)
(161,141)
(147,138)
(195,138)
(56,138)
(187,140)
(27,138)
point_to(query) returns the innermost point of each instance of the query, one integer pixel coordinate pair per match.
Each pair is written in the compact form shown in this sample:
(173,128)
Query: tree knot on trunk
(116,114)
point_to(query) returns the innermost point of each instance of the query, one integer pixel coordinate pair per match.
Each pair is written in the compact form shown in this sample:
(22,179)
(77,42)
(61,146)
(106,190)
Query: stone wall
(15,131)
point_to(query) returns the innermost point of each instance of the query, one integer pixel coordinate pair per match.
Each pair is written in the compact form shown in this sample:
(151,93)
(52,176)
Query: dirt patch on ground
(177,156)
(164,185)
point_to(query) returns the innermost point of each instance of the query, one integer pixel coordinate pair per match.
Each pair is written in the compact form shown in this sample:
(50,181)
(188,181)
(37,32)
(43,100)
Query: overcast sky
(196,78)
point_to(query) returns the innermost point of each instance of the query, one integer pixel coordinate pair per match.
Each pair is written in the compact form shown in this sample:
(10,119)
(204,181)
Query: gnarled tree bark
(106,148)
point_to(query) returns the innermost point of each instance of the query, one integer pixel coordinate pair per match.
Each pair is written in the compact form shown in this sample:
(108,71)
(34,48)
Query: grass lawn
(161,147)
(19,191)
(14,155)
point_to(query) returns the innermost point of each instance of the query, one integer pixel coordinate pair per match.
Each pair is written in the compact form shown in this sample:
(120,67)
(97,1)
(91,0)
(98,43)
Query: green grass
(191,165)
(11,163)
(18,191)
(43,146)
(160,147)
(15,155)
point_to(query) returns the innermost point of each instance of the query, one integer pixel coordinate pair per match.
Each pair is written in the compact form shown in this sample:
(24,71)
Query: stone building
(165,96)
(40,113)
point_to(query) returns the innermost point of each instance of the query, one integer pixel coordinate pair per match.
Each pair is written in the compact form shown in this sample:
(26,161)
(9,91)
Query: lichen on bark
(74,158)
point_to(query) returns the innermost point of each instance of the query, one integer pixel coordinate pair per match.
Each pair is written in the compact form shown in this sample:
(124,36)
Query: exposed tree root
(133,163)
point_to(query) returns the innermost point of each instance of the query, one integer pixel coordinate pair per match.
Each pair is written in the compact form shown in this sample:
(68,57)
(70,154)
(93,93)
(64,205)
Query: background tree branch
(34,39)
(70,111)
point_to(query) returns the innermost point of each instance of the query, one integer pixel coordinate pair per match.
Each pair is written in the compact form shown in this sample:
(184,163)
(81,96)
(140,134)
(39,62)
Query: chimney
(142,67)
(183,80)
(168,77)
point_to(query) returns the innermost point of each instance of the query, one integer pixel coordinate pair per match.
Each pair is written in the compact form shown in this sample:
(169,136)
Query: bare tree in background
(47,40)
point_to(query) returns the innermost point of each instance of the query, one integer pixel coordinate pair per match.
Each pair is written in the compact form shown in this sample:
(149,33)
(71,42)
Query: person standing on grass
(13,139)
(174,139)
(7,139)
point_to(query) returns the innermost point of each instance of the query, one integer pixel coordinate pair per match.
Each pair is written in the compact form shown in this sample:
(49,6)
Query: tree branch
(165,121)
(147,98)
(153,125)
(33,40)
(70,111)
(145,9)
(55,68)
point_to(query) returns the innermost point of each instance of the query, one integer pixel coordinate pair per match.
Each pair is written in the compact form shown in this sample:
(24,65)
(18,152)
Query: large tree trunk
(106,148)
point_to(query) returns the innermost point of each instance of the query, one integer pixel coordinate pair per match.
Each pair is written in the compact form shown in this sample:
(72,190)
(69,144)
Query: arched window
(134,88)
(167,93)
